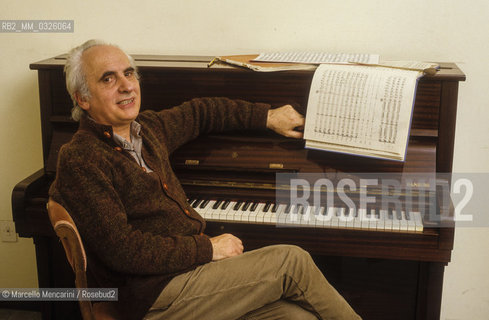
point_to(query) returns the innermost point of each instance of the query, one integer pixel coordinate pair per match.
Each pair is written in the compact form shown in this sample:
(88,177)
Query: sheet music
(362,110)
(318,57)
(410,64)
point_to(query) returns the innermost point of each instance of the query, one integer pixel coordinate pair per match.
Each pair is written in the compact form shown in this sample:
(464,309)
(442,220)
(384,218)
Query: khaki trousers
(276,282)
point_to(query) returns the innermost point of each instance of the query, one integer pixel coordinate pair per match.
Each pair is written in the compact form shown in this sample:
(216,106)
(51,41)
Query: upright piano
(384,274)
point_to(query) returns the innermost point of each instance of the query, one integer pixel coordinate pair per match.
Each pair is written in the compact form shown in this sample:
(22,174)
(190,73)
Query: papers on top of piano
(318,57)
(247,61)
(357,103)
(284,61)
(361,110)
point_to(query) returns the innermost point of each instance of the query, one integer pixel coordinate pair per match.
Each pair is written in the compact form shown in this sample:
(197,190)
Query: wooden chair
(67,232)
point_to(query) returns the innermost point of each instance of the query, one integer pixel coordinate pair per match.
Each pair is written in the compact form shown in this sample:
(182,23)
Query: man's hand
(285,120)
(225,246)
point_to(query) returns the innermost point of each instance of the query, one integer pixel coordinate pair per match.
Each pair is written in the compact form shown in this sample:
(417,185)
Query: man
(140,233)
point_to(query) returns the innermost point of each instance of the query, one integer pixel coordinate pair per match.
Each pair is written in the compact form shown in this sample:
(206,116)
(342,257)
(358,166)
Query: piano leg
(430,290)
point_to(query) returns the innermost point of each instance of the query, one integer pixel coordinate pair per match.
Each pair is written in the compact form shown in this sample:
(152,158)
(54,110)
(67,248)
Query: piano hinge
(276,166)
(192,162)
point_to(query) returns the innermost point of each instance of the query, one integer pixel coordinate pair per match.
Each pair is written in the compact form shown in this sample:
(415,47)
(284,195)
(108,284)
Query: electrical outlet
(7,231)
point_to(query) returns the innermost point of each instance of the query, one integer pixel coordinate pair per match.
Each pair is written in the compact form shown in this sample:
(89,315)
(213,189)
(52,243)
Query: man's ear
(82,102)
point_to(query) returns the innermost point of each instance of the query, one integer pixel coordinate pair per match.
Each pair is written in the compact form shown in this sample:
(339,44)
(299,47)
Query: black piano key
(300,209)
(338,212)
(274,207)
(237,205)
(389,214)
(254,206)
(225,204)
(267,207)
(399,215)
(355,214)
(318,210)
(325,211)
(204,204)
(377,213)
(246,205)
(197,203)
(369,213)
(217,204)
(408,215)
(287,209)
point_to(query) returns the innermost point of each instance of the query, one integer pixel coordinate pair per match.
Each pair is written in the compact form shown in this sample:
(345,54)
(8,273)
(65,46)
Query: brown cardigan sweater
(137,227)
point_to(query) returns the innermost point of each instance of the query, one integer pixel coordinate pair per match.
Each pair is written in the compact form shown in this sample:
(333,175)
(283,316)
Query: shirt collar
(89,125)
(135,136)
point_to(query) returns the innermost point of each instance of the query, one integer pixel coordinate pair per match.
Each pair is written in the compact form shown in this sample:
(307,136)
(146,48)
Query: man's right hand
(225,246)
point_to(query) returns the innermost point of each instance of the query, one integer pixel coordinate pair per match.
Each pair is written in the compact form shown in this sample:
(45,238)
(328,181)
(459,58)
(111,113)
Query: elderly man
(141,235)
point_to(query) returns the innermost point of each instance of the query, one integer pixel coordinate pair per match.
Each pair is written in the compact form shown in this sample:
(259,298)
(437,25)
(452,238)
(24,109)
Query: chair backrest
(68,234)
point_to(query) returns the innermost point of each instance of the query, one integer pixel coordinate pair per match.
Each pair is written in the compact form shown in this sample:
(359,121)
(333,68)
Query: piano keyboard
(300,216)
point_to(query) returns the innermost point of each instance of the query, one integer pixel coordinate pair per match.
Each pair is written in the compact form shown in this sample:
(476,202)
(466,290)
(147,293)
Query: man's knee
(289,250)
(295,253)
(289,259)
(280,309)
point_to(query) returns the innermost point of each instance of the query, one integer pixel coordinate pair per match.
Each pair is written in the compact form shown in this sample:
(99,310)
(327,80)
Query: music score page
(361,110)
(318,57)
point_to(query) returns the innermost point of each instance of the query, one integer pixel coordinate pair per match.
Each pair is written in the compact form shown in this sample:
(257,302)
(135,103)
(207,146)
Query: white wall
(440,30)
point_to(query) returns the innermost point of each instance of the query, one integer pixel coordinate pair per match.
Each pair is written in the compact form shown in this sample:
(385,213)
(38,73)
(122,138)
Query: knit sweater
(138,229)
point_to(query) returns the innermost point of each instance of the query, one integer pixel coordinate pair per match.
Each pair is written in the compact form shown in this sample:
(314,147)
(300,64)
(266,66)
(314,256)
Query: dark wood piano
(384,275)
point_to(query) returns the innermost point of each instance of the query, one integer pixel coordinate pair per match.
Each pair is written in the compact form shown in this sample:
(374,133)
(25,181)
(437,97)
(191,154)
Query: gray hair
(75,76)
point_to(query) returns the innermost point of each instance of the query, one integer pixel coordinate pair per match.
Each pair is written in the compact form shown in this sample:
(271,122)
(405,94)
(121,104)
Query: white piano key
(418,221)
(196,203)
(396,222)
(372,220)
(260,215)
(319,217)
(230,213)
(281,215)
(292,218)
(196,206)
(411,224)
(389,222)
(267,216)
(381,224)
(403,223)
(224,212)
(305,216)
(364,218)
(328,217)
(206,211)
(273,218)
(334,217)
(252,213)
(236,213)
(350,218)
(311,212)
(245,211)
(342,218)
(257,214)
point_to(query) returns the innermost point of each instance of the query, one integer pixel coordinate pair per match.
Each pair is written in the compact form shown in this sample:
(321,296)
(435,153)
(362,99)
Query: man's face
(114,88)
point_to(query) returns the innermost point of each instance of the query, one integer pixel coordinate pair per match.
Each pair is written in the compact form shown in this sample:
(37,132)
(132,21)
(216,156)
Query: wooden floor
(10,314)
